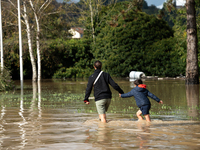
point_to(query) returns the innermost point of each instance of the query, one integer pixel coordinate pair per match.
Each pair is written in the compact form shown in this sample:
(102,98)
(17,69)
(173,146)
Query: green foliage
(126,39)
(151,10)
(72,72)
(81,60)
(55,54)
(163,60)
(54,26)
(11,58)
(197,3)
(179,19)
(6,82)
(58,54)
(124,45)
(181,40)
(63,55)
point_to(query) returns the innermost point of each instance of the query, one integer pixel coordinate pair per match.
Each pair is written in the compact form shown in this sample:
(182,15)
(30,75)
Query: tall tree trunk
(28,30)
(38,47)
(92,21)
(192,70)
(38,37)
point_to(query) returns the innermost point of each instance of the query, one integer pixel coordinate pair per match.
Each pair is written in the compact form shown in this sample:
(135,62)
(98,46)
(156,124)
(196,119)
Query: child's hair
(98,64)
(138,81)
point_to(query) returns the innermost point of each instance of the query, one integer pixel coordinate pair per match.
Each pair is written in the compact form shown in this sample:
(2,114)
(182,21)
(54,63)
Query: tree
(92,8)
(123,45)
(34,11)
(192,69)
(28,30)
(38,11)
(26,20)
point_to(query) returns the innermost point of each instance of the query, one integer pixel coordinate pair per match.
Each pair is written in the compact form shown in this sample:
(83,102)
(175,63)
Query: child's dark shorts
(145,109)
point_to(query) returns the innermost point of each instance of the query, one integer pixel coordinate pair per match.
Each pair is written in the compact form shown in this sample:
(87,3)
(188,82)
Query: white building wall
(75,33)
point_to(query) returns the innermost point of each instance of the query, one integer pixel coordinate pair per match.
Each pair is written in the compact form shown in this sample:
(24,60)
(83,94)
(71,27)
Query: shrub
(162,59)
(6,82)
(63,73)
(124,46)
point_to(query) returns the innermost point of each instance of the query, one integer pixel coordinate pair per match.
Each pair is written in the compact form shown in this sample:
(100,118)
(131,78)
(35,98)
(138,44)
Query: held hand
(161,102)
(87,103)
(119,95)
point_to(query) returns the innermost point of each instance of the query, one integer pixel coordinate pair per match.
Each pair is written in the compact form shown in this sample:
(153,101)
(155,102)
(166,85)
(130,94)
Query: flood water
(52,115)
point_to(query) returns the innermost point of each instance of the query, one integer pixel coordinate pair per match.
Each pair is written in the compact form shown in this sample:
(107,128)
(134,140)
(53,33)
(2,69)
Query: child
(140,94)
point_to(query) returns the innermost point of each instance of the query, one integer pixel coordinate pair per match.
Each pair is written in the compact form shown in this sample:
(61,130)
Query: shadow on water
(192,94)
(51,115)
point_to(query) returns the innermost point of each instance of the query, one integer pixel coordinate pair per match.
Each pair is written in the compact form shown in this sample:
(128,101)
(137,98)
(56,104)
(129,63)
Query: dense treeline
(132,42)
(126,39)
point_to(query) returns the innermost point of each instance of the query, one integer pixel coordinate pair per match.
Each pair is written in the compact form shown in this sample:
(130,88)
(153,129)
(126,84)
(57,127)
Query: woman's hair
(98,64)
(138,81)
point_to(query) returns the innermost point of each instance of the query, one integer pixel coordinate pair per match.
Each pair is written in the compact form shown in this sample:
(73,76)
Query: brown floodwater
(51,115)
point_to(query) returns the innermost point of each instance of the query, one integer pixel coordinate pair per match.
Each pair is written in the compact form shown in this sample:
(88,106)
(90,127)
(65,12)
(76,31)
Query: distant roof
(78,29)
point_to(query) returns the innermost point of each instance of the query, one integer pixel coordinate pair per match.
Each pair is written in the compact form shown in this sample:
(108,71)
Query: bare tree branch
(14,6)
(11,24)
(52,13)
(16,16)
(46,5)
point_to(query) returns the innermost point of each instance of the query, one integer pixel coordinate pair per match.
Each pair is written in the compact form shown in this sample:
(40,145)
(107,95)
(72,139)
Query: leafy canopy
(123,42)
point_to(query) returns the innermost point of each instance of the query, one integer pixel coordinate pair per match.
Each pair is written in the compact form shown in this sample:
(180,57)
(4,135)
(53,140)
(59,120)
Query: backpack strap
(97,77)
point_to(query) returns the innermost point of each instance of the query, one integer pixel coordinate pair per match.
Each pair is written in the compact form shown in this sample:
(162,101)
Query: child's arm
(154,97)
(129,94)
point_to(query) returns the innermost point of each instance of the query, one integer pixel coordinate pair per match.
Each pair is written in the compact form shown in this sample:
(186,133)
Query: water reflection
(22,123)
(2,129)
(36,92)
(192,94)
(102,136)
(35,114)
(39,101)
(119,134)
(30,125)
(144,135)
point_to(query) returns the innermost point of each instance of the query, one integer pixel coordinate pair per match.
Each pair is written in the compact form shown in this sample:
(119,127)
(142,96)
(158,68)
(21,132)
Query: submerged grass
(69,100)
(55,100)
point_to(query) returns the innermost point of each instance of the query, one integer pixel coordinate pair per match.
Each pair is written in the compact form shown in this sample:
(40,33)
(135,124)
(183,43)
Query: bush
(72,73)
(162,59)
(6,82)
(55,54)
(125,45)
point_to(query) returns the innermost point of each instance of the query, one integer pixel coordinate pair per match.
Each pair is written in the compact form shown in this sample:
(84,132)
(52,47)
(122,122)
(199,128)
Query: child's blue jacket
(140,95)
